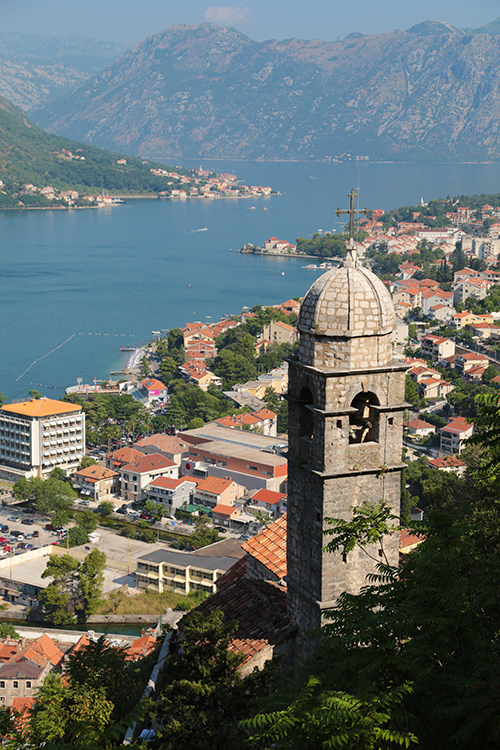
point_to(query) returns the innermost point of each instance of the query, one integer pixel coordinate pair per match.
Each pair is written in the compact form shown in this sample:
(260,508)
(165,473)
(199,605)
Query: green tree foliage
(77,536)
(490,373)
(87,521)
(202,698)
(99,666)
(86,462)
(48,496)
(76,588)
(7,630)
(105,508)
(61,597)
(411,392)
(91,579)
(203,534)
(324,245)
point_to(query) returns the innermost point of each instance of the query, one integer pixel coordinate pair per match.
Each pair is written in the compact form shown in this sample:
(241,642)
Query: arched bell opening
(364,422)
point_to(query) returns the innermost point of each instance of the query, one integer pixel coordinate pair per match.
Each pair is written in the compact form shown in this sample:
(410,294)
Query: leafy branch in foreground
(369,524)
(320,718)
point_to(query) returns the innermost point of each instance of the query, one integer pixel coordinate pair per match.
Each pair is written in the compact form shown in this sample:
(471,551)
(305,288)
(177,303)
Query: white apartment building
(38,435)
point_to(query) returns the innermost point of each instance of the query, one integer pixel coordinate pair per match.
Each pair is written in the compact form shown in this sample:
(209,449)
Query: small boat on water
(127,348)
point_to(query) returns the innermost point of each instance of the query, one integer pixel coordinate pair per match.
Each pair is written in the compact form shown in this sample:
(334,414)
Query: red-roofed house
(141,647)
(121,457)
(409,540)
(419,428)
(172,493)
(223,514)
(169,446)
(136,476)
(153,390)
(454,435)
(437,348)
(434,388)
(214,491)
(268,501)
(97,482)
(448,463)
(279,247)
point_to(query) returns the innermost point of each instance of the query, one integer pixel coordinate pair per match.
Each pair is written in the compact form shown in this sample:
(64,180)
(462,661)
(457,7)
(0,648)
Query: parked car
(30,546)
(83,502)
(36,533)
(27,521)
(49,527)
(18,535)
(4,528)
(133,513)
(121,511)
(146,516)
(16,519)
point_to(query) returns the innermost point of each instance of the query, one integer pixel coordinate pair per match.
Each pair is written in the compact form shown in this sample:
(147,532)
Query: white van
(94,537)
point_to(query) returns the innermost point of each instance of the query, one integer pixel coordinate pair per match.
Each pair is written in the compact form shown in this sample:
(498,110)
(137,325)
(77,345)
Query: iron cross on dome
(351,211)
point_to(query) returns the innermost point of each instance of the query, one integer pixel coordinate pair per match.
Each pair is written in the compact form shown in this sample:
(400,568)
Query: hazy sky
(129,21)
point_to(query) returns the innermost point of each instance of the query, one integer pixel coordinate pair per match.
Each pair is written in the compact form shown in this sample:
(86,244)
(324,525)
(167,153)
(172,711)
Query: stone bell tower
(346,403)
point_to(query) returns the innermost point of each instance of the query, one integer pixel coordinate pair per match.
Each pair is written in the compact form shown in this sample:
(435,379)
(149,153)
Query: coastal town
(186,184)
(184,500)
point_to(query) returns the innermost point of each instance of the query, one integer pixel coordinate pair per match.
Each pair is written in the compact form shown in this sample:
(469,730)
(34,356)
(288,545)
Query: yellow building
(38,435)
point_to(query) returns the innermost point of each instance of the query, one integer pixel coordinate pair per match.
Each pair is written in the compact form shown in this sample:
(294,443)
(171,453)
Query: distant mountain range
(35,68)
(429,93)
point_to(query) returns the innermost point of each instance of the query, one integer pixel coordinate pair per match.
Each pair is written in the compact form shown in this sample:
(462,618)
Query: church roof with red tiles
(237,570)
(269,547)
(259,608)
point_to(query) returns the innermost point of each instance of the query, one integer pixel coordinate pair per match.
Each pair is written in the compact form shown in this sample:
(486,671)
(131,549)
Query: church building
(346,404)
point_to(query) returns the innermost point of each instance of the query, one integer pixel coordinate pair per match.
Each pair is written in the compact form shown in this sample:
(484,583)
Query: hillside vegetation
(29,155)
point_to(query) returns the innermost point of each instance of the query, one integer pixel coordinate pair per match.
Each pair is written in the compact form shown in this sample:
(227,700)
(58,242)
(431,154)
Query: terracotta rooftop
(125,455)
(170,484)
(44,646)
(96,472)
(151,384)
(147,463)
(235,571)
(164,443)
(215,485)
(269,547)
(22,668)
(444,462)
(41,407)
(259,608)
(141,647)
(268,496)
(225,510)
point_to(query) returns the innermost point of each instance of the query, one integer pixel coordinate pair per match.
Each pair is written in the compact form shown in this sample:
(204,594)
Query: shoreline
(124,198)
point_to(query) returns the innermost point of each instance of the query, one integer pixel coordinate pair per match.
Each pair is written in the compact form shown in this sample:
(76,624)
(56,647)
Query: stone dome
(347,301)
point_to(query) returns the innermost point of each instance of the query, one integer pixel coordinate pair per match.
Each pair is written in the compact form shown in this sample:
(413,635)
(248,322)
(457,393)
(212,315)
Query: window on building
(306,420)
(28,683)
(2,685)
(15,684)
(252,468)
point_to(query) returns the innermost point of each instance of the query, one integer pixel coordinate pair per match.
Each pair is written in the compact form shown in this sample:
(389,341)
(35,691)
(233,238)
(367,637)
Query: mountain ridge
(207,91)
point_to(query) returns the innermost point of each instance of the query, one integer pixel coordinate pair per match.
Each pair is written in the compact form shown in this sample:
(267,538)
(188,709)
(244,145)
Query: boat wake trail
(45,355)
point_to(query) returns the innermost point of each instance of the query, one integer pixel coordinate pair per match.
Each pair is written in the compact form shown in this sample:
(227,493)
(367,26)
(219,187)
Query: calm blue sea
(101,279)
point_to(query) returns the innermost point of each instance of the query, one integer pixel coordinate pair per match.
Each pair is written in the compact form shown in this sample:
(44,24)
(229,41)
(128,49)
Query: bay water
(77,285)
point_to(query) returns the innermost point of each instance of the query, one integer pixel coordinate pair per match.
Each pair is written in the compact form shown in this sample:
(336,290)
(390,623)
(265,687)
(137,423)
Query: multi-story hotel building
(38,435)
